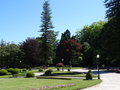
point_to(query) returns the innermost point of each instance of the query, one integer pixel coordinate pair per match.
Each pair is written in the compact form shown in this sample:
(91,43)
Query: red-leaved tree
(70,51)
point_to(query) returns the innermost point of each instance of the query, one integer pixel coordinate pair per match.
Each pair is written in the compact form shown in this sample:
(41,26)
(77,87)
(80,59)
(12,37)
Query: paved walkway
(38,73)
(111,81)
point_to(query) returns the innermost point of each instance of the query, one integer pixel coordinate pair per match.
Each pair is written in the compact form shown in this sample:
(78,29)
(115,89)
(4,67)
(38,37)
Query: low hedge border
(52,77)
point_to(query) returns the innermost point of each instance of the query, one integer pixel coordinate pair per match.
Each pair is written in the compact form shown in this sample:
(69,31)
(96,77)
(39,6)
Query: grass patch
(15,75)
(6,76)
(29,83)
(80,84)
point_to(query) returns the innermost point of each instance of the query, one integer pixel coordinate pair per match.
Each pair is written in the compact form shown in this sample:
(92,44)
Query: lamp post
(98,56)
(63,63)
(62,60)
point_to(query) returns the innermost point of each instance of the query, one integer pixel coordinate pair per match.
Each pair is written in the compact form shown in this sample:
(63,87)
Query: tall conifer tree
(48,36)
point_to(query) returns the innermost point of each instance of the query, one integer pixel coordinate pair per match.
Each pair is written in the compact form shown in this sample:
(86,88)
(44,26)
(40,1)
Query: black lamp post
(98,56)
(62,60)
(63,63)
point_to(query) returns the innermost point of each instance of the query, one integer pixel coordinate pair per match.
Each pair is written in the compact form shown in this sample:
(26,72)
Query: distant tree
(31,49)
(64,37)
(90,33)
(71,52)
(10,55)
(3,53)
(48,36)
(68,50)
(89,36)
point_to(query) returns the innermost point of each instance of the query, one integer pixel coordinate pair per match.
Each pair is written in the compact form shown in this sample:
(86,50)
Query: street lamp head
(98,56)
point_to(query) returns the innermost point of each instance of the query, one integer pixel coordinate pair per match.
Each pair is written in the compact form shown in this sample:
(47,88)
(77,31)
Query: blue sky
(20,19)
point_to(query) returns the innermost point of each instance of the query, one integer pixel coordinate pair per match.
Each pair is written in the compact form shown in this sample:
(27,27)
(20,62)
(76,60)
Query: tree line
(78,50)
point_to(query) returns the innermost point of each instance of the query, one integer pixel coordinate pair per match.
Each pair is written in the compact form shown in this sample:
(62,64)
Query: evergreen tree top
(46,17)
(113,8)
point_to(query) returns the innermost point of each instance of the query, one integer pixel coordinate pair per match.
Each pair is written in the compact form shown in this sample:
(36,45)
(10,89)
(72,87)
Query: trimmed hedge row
(40,69)
(30,74)
(10,70)
(48,72)
(53,77)
(14,70)
(3,72)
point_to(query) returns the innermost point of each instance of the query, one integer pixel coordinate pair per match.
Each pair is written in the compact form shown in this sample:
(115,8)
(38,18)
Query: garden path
(110,81)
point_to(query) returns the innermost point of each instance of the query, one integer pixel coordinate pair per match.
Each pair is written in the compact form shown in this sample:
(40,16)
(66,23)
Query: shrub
(30,74)
(89,75)
(117,70)
(60,65)
(29,68)
(24,70)
(62,68)
(49,72)
(14,70)
(40,69)
(58,69)
(9,69)
(69,69)
(15,75)
(44,67)
(3,72)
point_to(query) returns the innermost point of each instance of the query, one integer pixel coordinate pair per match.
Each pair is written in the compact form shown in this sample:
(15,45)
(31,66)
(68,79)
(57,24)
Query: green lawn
(7,83)
(28,83)
(6,76)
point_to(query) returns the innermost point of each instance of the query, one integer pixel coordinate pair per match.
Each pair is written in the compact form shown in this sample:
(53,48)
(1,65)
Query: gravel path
(38,74)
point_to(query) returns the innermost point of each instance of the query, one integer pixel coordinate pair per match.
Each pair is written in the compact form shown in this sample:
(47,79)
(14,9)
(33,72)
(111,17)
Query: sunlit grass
(28,83)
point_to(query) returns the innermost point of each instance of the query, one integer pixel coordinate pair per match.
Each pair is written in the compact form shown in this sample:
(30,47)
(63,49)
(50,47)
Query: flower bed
(53,87)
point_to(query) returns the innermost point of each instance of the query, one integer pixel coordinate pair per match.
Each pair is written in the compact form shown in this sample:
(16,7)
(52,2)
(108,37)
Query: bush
(40,69)
(24,70)
(9,69)
(29,68)
(3,72)
(69,69)
(16,75)
(30,74)
(14,70)
(60,65)
(58,69)
(49,72)
(89,75)
(44,67)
